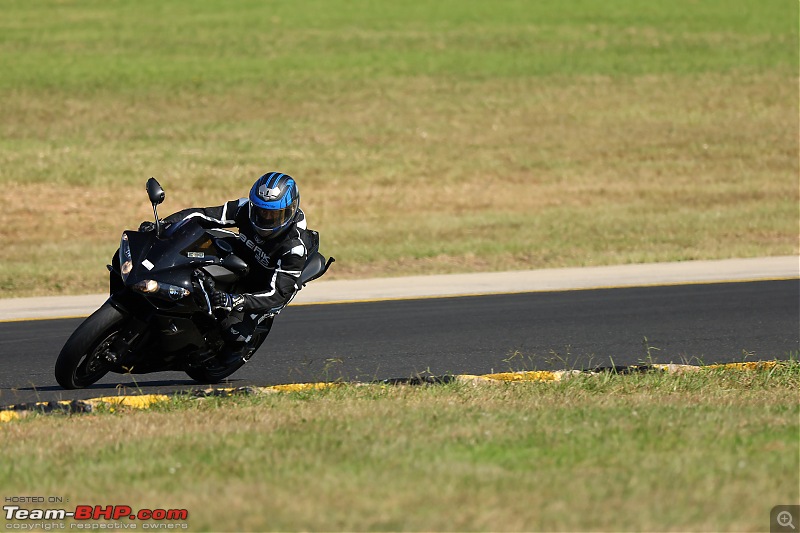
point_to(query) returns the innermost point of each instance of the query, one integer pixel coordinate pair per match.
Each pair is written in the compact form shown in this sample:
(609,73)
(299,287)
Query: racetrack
(708,323)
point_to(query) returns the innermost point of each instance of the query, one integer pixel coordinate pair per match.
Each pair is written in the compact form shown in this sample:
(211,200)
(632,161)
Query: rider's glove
(226,302)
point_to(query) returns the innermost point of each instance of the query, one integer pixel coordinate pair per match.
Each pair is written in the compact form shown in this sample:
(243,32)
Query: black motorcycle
(158,316)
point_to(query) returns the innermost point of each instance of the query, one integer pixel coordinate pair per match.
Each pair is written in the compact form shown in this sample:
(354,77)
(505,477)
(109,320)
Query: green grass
(426,137)
(710,451)
(208,46)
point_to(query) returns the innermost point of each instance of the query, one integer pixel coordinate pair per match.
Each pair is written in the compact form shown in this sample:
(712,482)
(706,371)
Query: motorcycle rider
(274,243)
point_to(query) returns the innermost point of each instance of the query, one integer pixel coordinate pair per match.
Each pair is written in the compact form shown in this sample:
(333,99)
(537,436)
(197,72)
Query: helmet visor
(271,219)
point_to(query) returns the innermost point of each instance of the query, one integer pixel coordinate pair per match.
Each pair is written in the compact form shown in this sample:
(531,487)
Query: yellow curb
(533,376)
(299,387)
(753,365)
(137,402)
(8,416)
(537,375)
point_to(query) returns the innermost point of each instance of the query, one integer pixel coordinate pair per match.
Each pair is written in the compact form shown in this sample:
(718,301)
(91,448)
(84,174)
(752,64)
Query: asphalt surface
(702,323)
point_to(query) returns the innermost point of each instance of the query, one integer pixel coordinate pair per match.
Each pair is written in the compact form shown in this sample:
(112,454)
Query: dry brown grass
(423,176)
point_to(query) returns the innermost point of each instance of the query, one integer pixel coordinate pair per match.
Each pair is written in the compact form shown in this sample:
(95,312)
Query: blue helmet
(274,202)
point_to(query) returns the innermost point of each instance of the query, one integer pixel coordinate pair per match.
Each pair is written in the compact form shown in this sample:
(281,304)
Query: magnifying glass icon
(785,519)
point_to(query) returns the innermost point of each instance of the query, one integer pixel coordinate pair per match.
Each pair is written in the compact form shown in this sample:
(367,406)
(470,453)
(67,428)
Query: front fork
(133,333)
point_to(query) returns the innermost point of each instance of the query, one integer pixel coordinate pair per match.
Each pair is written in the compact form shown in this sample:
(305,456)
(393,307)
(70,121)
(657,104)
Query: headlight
(162,290)
(147,285)
(125,261)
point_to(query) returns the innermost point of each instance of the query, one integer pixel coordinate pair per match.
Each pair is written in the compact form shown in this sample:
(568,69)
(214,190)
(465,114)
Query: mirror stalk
(158,222)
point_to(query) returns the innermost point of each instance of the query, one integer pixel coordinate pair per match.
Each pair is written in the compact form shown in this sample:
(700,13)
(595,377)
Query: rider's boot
(237,347)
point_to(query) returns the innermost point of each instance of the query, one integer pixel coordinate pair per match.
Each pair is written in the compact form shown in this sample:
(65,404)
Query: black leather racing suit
(275,264)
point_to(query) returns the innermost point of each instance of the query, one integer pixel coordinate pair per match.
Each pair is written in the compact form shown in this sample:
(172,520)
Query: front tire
(82,359)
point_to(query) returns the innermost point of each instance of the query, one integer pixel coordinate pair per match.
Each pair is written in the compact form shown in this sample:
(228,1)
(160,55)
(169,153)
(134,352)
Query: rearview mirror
(155,192)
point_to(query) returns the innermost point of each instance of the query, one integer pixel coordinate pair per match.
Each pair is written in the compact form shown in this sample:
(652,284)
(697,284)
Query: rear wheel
(214,371)
(82,360)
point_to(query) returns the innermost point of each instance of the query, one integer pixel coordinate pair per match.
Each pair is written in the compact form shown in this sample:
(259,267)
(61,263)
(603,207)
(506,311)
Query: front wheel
(82,360)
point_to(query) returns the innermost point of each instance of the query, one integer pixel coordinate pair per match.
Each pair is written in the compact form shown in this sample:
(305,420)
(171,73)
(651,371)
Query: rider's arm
(284,284)
(220,216)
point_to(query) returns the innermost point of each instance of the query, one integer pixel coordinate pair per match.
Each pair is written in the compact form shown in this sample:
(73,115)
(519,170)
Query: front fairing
(171,259)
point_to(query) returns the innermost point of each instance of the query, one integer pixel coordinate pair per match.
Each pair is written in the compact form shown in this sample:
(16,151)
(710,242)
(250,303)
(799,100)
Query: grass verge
(711,450)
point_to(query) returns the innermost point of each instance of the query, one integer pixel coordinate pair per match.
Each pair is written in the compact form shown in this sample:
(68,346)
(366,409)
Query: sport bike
(158,315)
